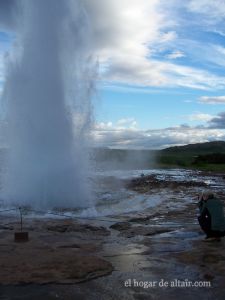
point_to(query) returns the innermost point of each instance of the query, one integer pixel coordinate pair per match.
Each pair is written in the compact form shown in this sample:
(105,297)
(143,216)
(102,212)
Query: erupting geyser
(47,91)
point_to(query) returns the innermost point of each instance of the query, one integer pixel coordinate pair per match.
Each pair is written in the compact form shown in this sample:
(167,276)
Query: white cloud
(218,56)
(127,123)
(104,126)
(128,34)
(220,32)
(203,51)
(194,78)
(212,99)
(153,139)
(201,117)
(144,72)
(214,10)
(139,72)
(169,36)
(124,27)
(175,55)
(220,49)
(122,124)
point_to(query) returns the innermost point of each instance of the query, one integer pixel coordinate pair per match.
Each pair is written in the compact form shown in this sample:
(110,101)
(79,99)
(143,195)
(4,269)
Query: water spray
(48,91)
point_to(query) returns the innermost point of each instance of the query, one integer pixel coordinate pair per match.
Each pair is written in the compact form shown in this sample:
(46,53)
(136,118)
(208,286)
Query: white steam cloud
(48,82)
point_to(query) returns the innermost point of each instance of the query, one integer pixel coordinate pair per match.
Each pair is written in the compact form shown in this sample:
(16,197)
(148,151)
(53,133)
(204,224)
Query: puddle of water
(180,234)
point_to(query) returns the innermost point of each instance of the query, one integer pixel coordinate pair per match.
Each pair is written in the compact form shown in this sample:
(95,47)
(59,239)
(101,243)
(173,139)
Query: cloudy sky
(161,70)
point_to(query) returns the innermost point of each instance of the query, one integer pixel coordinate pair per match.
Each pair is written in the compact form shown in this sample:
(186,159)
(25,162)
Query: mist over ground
(123,159)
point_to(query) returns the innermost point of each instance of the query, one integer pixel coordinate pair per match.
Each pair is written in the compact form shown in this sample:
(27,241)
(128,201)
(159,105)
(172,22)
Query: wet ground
(155,253)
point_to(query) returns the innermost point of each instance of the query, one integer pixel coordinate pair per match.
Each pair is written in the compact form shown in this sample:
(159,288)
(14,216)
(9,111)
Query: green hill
(199,148)
(209,156)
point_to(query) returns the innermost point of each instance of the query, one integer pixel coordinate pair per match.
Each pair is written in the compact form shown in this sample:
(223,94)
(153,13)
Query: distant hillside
(192,155)
(199,148)
(208,155)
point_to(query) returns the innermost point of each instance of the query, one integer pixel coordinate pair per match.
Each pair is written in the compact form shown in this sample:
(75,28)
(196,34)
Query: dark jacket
(214,208)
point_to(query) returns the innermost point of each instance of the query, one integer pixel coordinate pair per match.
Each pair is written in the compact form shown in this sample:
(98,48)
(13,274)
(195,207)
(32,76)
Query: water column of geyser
(47,90)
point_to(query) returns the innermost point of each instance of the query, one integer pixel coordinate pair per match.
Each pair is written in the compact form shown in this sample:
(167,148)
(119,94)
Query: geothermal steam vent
(47,92)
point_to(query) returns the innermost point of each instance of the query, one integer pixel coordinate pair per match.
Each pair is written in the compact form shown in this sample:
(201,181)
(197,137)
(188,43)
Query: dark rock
(140,219)
(120,226)
(76,227)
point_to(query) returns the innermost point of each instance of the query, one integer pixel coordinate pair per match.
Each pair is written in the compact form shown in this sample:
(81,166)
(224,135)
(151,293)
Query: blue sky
(155,109)
(161,71)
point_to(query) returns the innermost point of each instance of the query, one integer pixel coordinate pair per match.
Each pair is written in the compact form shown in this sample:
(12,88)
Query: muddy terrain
(154,253)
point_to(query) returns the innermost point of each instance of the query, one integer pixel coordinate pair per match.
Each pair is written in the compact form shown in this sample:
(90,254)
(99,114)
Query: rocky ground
(159,253)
